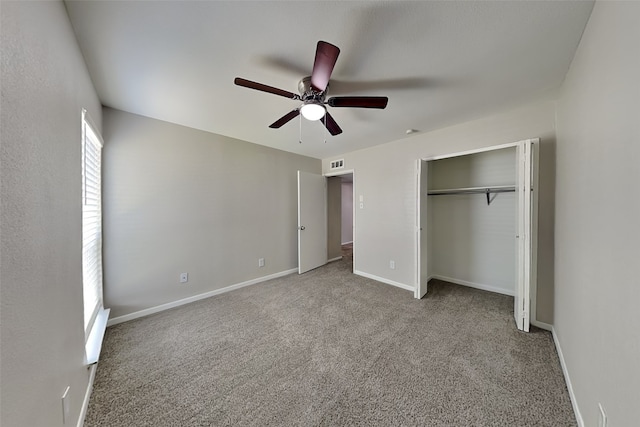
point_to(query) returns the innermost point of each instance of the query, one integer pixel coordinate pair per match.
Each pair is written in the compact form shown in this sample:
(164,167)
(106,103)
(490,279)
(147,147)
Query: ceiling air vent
(337,164)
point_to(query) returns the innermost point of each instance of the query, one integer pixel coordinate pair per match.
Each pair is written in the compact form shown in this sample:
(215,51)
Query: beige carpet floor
(331,349)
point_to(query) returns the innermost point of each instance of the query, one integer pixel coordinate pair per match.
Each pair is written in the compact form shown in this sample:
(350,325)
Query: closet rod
(475,190)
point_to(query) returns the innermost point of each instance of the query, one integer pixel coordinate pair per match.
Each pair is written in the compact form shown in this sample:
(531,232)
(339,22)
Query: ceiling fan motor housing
(307,92)
(312,101)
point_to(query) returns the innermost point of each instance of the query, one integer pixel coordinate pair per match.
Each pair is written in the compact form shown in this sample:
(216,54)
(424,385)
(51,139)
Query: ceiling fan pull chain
(300,121)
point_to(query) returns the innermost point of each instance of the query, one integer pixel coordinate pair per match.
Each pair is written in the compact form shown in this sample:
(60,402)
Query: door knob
(301,227)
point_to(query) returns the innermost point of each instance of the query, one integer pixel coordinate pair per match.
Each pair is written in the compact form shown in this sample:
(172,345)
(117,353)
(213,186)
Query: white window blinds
(91,223)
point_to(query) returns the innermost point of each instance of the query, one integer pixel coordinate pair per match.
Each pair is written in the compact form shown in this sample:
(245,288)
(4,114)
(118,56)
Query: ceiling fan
(313,92)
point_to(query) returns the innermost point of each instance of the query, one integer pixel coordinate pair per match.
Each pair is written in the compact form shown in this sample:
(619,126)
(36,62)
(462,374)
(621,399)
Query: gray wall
(45,85)
(178,200)
(386,178)
(597,216)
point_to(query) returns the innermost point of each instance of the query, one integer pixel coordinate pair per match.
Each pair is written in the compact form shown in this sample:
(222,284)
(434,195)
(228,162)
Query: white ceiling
(440,63)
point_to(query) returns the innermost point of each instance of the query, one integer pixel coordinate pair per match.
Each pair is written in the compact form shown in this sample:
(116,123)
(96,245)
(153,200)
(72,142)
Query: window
(94,314)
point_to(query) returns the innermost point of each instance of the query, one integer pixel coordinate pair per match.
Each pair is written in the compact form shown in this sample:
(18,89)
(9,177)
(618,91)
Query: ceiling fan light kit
(313,92)
(313,111)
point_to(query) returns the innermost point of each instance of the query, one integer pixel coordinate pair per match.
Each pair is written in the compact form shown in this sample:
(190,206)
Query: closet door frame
(528,300)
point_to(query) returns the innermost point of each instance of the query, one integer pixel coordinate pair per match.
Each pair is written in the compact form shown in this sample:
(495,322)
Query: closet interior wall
(471,242)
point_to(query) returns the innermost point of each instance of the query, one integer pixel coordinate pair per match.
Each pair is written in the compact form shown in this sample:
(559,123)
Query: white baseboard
(565,372)
(335,259)
(542,325)
(474,285)
(162,307)
(87,395)
(387,281)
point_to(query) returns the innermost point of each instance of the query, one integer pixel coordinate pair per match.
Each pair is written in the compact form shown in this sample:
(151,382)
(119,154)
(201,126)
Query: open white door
(421,229)
(521,309)
(312,221)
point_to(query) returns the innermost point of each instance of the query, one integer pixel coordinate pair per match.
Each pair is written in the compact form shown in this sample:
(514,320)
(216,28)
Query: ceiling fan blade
(326,57)
(331,124)
(359,101)
(264,88)
(284,119)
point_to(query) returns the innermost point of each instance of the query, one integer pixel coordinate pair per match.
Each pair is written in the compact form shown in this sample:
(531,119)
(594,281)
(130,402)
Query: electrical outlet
(65,405)
(184,277)
(392,264)
(260,262)
(602,416)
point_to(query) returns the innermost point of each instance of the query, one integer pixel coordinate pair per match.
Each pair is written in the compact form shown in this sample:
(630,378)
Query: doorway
(477,225)
(323,223)
(340,219)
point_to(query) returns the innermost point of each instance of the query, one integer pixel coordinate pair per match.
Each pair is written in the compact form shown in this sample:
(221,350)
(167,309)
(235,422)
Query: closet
(475,221)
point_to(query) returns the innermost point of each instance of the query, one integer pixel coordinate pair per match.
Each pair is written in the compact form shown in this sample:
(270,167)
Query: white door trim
(475,150)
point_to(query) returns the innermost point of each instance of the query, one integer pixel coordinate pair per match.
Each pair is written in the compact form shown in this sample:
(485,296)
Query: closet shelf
(475,190)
